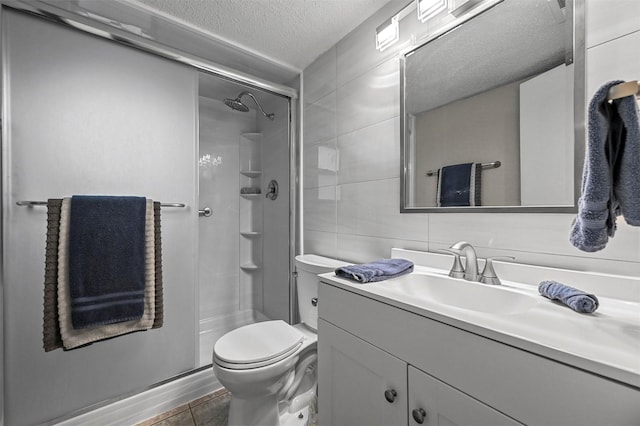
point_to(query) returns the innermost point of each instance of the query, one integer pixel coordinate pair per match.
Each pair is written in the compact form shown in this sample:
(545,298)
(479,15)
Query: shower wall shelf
(250,267)
(251,210)
(250,196)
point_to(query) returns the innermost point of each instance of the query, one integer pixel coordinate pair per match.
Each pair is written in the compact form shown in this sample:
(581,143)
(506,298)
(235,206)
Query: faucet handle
(489,275)
(457,271)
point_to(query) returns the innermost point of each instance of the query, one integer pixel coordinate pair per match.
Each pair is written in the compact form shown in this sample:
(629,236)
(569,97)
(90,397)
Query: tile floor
(210,410)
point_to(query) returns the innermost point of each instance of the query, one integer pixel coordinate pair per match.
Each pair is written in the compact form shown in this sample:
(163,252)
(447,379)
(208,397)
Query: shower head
(239,106)
(236,104)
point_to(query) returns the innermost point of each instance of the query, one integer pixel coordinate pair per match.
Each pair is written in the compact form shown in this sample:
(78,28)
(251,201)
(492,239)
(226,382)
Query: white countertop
(606,342)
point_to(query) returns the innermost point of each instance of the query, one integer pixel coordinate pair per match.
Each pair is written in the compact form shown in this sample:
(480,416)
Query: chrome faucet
(471,265)
(470,270)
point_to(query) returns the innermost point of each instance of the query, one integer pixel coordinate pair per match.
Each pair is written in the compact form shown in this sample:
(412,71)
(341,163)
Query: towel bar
(491,165)
(44,203)
(630,88)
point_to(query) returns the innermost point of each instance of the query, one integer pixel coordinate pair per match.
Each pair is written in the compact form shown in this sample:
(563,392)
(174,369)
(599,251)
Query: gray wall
(88,116)
(351,112)
(479,129)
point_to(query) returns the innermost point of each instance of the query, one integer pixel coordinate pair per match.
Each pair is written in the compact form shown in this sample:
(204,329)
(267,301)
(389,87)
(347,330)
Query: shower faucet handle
(272,190)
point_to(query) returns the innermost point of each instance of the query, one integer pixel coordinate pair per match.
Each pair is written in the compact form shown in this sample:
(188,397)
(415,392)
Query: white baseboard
(150,403)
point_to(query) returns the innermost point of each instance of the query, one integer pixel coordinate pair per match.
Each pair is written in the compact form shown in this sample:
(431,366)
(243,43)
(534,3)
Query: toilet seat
(257,345)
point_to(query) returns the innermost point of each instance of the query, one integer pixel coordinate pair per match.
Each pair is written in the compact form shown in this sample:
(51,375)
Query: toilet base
(249,413)
(254,411)
(269,411)
(296,412)
(294,419)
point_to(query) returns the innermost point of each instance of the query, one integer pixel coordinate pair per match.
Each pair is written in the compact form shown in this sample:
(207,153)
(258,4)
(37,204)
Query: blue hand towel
(459,185)
(576,299)
(626,173)
(106,259)
(611,172)
(379,270)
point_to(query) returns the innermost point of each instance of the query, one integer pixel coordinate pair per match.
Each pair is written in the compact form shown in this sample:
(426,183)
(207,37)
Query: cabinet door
(443,405)
(358,384)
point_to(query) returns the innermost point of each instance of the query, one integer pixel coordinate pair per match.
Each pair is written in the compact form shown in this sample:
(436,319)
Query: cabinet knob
(314,301)
(419,415)
(390,395)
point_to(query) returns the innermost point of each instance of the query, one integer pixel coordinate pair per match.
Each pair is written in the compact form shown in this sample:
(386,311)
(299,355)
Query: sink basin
(463,294)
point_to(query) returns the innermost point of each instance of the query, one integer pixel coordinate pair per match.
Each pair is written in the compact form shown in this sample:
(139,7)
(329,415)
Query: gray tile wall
(352,147)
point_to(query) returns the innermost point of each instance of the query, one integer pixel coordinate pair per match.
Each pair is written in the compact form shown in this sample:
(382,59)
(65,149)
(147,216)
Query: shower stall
(244,178)
(100,111)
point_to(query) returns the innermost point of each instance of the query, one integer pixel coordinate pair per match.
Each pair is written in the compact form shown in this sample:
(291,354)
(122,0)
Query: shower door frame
(149,45)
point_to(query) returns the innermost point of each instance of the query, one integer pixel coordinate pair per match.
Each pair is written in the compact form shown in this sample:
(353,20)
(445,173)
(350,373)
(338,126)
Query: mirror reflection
(488,113)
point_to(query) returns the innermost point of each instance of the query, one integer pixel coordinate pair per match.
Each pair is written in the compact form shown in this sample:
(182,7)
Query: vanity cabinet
(437,404)
(458,374)
(360,384)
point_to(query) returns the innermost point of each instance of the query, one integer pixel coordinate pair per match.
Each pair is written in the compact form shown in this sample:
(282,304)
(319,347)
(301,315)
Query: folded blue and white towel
(576,299)
(379,270)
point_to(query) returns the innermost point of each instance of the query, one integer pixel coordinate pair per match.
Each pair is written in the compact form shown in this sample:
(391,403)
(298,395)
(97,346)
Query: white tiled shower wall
(351,158)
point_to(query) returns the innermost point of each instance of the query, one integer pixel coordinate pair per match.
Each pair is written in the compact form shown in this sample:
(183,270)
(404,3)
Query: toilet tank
(308,266)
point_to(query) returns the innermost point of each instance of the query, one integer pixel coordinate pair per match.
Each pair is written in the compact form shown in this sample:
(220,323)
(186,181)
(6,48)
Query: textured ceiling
(512,41)
(290,32)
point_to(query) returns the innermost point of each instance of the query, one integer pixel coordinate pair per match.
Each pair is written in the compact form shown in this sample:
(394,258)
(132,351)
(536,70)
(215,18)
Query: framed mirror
(492,111)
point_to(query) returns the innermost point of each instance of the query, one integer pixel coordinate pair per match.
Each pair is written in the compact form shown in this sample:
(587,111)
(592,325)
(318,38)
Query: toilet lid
(256,343)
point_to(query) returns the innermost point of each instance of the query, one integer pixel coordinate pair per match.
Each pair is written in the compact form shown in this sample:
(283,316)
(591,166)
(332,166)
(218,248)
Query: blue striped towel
(106,259)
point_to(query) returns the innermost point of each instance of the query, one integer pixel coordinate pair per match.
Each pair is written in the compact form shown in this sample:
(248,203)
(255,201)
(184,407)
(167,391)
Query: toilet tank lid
(257,342)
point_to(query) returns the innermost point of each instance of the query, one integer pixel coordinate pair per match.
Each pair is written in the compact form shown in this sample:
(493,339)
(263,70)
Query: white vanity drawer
(527,387)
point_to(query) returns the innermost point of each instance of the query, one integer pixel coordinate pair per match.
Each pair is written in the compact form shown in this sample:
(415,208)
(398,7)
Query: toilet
(269,367)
